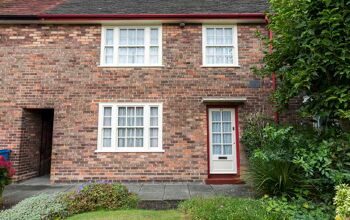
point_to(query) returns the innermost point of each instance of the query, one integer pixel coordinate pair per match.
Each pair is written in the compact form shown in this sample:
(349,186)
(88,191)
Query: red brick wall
(56,66)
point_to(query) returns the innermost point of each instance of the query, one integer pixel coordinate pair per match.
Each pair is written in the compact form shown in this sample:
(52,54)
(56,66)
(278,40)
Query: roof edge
(149,16)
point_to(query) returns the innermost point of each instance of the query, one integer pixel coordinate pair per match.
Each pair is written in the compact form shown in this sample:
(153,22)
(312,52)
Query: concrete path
(146,191)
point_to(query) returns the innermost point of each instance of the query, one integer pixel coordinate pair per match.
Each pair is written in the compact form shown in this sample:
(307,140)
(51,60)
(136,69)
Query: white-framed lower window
(220,45)
(131,46)
(130,127)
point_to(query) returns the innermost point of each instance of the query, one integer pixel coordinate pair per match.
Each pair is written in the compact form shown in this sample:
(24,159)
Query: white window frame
(116,30)
(114,147)
(234,42)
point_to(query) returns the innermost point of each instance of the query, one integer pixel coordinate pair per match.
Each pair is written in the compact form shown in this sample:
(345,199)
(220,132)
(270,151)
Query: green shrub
(43,206)
(342,201)
(95,196)
(276,177)
(252,137)
(298,209)
(225,208)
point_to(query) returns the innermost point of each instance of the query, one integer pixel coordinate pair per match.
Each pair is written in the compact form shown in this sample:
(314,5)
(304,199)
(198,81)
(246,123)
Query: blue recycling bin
(5,153)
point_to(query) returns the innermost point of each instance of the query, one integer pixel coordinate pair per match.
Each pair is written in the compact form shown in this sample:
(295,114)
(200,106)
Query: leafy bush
(6,172)
(253,132)
(43,206)
(300,162)
(225,208)
(95,196)
(297,209)
(275,177)
(342,201)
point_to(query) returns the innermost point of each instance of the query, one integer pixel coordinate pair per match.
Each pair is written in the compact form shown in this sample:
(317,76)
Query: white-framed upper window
(131,46)
(220,47)
(130,127)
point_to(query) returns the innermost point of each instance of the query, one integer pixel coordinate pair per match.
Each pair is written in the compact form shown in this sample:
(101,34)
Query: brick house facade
(55,66)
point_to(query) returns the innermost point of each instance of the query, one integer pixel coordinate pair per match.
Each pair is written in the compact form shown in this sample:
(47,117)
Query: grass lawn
(130,215)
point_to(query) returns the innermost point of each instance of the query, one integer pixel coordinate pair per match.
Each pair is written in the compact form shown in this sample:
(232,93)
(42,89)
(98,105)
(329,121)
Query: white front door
(222,141)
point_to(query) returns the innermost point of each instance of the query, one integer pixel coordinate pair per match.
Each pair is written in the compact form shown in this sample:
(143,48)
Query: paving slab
(201,190)
(176,192)
(146,191)
(152,192)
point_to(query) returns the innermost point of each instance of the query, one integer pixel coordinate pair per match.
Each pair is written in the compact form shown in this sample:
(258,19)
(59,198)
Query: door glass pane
(216,149)
(121,121)
(226,116)
(226,126)
(216,116)
(216,127)
(217,138)
(227,150)
(227,139)
(154,121)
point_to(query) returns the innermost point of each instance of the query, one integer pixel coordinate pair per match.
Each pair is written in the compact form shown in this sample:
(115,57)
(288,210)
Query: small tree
(311,55)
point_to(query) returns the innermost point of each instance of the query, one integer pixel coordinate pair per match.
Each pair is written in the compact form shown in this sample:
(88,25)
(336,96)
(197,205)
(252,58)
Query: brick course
(57,66)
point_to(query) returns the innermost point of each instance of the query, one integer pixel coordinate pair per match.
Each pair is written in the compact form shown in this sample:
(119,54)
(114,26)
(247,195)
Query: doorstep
(223,179)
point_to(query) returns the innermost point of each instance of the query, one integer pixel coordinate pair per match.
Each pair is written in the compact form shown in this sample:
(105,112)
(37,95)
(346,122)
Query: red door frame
(237,136)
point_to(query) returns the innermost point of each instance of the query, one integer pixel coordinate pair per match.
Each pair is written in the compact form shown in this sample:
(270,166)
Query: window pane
(210,36)
(108,55)
(131,121)
(154,36)
(216,149)
(121,121)
(154,55)
(109,37)
(131,111)
(140,38)
(154,111)
(228,32)
(123,55)
(227,149)
(107,111)
(154,132)
(130,142)
(121,132)
(121,142)
(131,132)
(139,111)
(217,138)
(107,121)
(139,132)
(121,111)
(219,36)
(123,37)
(139,142)
(219,54)
(139,121)
(154,142)
(227,139)
(154,121)
(131,36)
(107,132)
(107,142)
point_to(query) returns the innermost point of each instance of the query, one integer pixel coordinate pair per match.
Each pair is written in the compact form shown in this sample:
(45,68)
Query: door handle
(233,128)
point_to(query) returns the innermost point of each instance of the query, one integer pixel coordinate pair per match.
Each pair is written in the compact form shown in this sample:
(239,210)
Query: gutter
(274,81)
(19,17)
(149,16)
